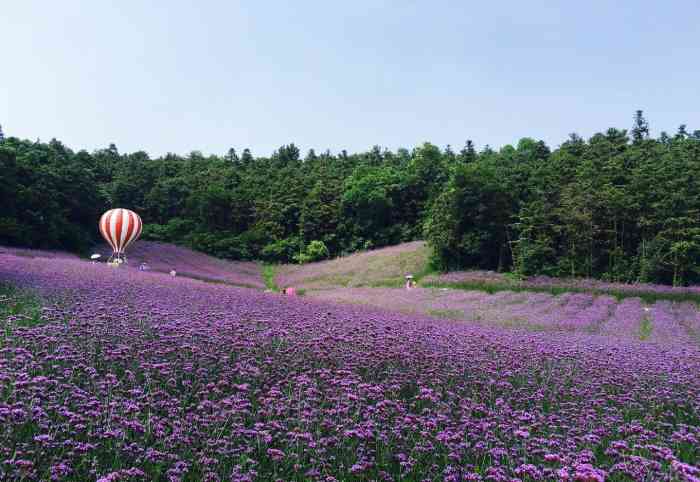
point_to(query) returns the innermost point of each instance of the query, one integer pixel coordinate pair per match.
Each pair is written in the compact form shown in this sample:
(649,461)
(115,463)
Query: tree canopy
(617,206)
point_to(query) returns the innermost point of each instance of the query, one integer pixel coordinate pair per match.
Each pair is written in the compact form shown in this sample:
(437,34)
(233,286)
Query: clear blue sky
(209,75)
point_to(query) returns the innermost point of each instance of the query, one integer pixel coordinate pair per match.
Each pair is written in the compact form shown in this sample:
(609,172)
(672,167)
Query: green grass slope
(385,267)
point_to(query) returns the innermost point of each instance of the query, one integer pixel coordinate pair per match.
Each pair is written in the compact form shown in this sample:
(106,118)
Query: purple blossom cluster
(164,257)
(141,376)
(667,322)
(598,285)
(35,253)
(627,319)
(546,282)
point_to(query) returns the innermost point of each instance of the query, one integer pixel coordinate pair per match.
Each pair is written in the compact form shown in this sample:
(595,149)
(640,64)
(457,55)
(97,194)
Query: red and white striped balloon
(120,227)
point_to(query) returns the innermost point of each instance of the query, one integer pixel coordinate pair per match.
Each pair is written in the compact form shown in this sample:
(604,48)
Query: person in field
(409,282)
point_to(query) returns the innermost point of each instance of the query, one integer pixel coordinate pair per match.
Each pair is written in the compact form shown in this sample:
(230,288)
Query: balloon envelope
(120,228)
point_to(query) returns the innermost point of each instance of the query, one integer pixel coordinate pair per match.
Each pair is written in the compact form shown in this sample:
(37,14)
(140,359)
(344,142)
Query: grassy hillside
(379,267)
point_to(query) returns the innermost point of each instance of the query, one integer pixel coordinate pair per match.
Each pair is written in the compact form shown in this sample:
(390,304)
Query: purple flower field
(35,253)
(140,376)
(163,257)
(667,322)
(544,282)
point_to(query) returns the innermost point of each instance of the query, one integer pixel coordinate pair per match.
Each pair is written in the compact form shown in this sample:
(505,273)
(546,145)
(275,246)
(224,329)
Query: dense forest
(620,206)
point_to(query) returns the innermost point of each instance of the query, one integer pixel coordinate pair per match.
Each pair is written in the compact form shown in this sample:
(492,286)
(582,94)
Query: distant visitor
(409,282)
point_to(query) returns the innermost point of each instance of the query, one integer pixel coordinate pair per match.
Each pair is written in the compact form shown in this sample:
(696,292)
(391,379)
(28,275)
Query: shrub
(315,251)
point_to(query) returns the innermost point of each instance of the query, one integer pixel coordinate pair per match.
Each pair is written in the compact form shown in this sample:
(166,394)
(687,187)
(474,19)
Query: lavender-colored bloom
(161,257)
(139,376)
(626,319)
(573,312)
(545,282)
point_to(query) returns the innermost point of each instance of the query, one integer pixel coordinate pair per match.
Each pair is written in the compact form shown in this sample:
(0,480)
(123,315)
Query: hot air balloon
(120,228)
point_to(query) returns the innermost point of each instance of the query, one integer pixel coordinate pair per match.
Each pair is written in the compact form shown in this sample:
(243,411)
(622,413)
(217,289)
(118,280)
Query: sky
(176,76)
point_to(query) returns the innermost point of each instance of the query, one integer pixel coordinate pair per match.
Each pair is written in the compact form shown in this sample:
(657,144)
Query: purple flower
(275,454)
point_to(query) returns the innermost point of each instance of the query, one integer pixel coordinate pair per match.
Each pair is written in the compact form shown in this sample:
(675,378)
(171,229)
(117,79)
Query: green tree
(320,214)
(640,131)
(467,226)
(367,206)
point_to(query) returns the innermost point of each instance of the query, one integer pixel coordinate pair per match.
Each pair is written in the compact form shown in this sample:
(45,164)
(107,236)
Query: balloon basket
(117,259)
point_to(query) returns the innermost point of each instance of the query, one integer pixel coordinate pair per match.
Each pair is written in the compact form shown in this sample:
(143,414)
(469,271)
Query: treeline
(620,206)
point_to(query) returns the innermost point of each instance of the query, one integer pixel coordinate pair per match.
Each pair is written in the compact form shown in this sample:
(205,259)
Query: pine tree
(641,127)
(449,155)
(2,135)
(468,153)
(311,156)
(246,157)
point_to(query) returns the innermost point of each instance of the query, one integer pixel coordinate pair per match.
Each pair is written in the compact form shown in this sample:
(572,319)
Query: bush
(315,251)
(281,250)
(232,247)
(176,230)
